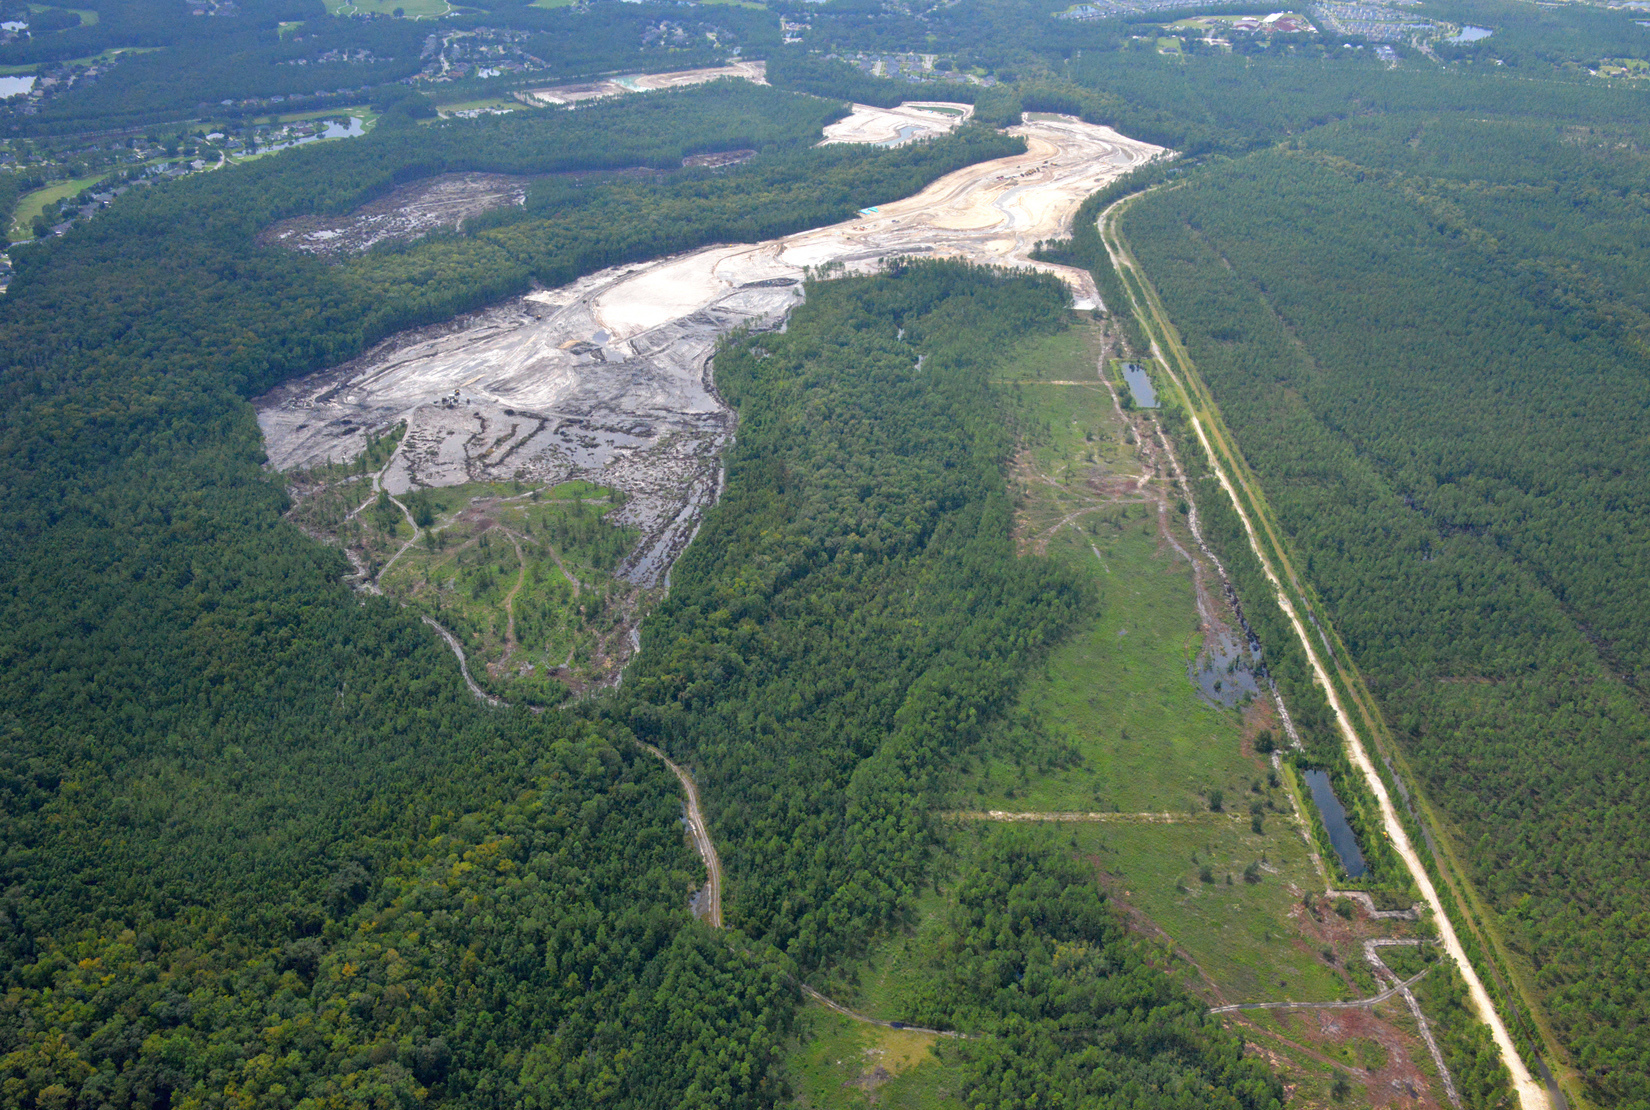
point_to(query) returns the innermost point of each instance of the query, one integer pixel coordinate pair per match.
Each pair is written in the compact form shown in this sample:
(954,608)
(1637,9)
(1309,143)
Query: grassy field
(1114,707)
(1114,723)
(840,1064)
(492,103)
(30,205)
(1242,936)
(410,9)
(88,17)
(521,574)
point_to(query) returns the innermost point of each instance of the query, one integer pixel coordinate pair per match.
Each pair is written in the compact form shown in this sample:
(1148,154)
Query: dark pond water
(1140,385)
(1334,819)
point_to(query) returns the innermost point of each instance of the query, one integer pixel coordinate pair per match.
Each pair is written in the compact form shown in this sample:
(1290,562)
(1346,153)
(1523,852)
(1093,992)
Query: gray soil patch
(716,161)
(407,213)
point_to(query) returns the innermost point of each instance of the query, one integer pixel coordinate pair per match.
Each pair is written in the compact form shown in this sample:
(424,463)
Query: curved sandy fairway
(608,378)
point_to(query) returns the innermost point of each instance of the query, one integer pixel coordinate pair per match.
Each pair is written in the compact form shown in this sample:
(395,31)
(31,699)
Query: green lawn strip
(30,205)
(410,9)
(88,17)
(491,102)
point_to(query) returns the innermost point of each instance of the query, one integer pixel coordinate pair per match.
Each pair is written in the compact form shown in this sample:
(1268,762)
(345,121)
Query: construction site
(609,379)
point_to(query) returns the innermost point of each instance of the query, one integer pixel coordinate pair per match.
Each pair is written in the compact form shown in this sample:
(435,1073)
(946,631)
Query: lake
(1470,33)
(15,86)
(1334,820)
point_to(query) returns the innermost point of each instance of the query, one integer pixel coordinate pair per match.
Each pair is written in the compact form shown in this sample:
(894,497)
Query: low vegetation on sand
(522,575)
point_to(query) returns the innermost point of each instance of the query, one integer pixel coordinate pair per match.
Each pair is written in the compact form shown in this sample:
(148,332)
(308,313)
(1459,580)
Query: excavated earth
(409,212)
(608,378)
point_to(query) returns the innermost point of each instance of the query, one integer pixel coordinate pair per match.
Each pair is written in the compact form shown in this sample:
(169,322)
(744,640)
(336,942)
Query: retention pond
(1334,821)
(1140,385)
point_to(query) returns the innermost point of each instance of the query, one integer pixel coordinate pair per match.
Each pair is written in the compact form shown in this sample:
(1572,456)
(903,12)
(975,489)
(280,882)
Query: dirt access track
(608,379)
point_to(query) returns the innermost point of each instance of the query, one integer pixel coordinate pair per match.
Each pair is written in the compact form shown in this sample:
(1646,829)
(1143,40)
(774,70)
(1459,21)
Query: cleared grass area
(840,1064)
(30,205)
(1114,708)
(1189,880)
(88,17)
(490,103)
(521,575)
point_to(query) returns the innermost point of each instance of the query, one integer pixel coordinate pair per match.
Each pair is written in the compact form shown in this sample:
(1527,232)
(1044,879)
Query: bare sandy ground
(608,378)
(893,126)
(644,82)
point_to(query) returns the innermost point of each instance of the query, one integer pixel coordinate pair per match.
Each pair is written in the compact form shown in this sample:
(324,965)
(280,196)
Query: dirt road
(709,903)
(1204,419)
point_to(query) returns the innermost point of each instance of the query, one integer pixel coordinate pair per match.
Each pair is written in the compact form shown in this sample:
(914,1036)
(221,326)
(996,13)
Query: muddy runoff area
(609,379)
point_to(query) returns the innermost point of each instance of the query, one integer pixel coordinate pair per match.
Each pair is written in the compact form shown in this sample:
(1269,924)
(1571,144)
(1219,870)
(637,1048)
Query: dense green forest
(261,845)
(1428,331)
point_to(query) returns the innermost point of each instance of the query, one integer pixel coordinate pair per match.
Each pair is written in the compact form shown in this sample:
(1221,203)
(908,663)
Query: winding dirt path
(837,1008)
(464,666)
(1401,987)
(510,599)
(709,908)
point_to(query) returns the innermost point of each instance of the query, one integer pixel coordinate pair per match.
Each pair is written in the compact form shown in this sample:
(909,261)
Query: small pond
(905,134)
(345,128)
(1140,385)
(1470,33)
(15,86)
(1334,820)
